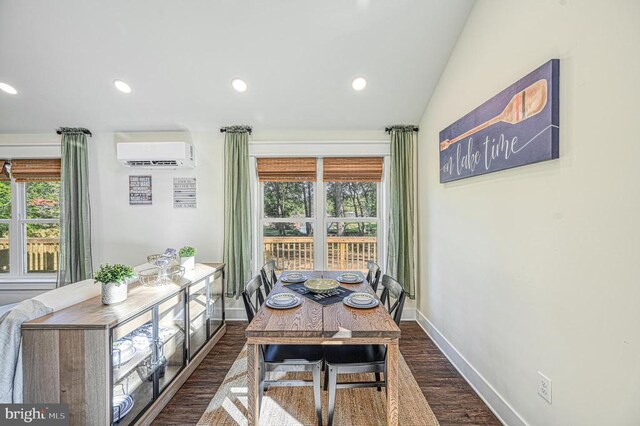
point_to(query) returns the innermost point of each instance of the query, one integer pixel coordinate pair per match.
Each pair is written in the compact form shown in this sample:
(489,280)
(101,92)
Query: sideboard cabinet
(120,364)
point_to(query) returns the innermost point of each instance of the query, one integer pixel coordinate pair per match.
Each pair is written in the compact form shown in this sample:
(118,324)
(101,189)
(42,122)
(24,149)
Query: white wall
(126,233)
(535,268)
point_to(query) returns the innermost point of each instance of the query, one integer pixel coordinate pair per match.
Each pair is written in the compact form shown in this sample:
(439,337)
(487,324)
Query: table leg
(392,383)
(253,381)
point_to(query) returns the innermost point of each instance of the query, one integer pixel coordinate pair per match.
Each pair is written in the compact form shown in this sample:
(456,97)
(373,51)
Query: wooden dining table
(312,323)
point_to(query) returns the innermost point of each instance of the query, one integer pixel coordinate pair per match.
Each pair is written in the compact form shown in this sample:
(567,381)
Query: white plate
(166,333)
(124,358)
(293,277)
(140,341)
(123,345)
(283,299)
(350,278)
(125,402)
(348,302)
(298,302)
(361,298)
(123,351)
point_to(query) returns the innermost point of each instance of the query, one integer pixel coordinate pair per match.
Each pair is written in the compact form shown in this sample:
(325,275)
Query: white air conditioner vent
(139,163)
(156,155)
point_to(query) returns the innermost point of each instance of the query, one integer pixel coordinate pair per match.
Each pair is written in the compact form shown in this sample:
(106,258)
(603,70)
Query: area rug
(294,405)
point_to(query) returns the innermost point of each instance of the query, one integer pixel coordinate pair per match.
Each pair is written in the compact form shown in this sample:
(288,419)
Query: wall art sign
(518,126)
(184,193)
(140,191)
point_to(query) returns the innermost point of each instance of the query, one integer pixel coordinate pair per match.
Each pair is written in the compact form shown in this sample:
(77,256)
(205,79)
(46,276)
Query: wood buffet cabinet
(120,364)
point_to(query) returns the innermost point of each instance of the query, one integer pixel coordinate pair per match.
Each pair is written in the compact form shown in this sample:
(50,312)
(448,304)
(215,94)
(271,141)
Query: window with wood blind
(320,213)
(288,188)
(29,219)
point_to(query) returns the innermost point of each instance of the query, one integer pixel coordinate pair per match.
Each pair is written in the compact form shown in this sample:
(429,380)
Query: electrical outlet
(544,387)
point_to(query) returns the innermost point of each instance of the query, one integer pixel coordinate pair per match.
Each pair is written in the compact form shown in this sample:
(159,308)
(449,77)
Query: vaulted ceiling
(298,58)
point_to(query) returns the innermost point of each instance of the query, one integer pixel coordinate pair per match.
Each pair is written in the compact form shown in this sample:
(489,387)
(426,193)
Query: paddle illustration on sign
(518,126)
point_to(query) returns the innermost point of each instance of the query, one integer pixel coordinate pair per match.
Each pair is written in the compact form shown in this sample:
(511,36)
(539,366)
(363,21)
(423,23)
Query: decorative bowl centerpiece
(162,260)
(161,276)
(149,276)
(321,285)
(174,273)
(166,269)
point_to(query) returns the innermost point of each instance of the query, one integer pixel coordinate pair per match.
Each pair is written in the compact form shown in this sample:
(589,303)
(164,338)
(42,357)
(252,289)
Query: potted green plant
(188,257)
(114,282)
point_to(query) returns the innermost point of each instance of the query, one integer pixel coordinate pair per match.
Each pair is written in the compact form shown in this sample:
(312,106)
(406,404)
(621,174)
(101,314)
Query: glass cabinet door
(148,351)
(171,350)
(197,317)
(215,302)
(132,358)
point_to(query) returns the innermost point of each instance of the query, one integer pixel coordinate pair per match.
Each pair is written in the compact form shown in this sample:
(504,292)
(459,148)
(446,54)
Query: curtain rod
(247,129)
(62,130)
(388,129)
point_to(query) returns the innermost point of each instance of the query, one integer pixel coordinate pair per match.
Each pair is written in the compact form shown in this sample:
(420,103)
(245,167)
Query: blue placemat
(323,299)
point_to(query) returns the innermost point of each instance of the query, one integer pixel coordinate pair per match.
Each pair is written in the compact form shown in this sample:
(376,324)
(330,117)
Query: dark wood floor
(450,397)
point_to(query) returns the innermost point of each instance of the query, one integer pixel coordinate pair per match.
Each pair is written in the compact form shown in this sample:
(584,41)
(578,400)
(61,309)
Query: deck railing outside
(290,253)
(343,253)
(42,254)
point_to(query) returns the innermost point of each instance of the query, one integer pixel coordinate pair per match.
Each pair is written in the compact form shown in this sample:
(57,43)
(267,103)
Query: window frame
(18,277)
(320,218)
(262,220)
(377,219)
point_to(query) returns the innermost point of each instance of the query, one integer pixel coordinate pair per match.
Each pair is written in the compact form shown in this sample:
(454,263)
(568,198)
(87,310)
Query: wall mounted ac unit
(156,155)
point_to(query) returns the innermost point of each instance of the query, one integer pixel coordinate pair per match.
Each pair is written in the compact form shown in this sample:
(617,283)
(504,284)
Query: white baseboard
(409,314)
(496,403)
(239,314)
(235,314)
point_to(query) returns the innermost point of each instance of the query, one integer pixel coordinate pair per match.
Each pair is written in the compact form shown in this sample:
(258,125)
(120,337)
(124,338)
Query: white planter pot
(188,263)
(114,293)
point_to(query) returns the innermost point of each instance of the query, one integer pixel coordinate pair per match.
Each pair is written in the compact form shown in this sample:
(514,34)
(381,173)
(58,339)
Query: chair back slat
(252,291)
(393,297)
(269,277)
(373,276)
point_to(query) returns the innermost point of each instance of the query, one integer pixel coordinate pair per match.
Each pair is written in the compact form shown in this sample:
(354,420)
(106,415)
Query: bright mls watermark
(34,414)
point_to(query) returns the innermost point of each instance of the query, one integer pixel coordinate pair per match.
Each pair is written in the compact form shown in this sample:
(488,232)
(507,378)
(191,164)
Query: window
(288,224)
(332,204)
(29,222)
(5,220)
(288,211)
(352,224)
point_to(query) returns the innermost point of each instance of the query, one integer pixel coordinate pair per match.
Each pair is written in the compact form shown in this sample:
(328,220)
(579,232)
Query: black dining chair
(253,290)
(285,358)
(373,276)
(269,277)
(363,358)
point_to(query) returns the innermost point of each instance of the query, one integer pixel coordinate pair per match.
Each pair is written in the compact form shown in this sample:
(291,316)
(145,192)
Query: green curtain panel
(237,210)
(402,213)
(75,262)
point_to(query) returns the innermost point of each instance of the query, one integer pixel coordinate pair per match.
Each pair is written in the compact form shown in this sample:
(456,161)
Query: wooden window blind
(32,170)
(4,173)
(287,169)
(353,169)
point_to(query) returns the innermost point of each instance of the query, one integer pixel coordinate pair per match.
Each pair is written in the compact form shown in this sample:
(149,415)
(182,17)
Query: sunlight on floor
(268,409)
(234,412)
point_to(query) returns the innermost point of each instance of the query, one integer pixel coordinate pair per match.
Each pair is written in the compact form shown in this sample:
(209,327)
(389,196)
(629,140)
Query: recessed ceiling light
(239,85)
(122,86)
(8,88)
(359,83)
